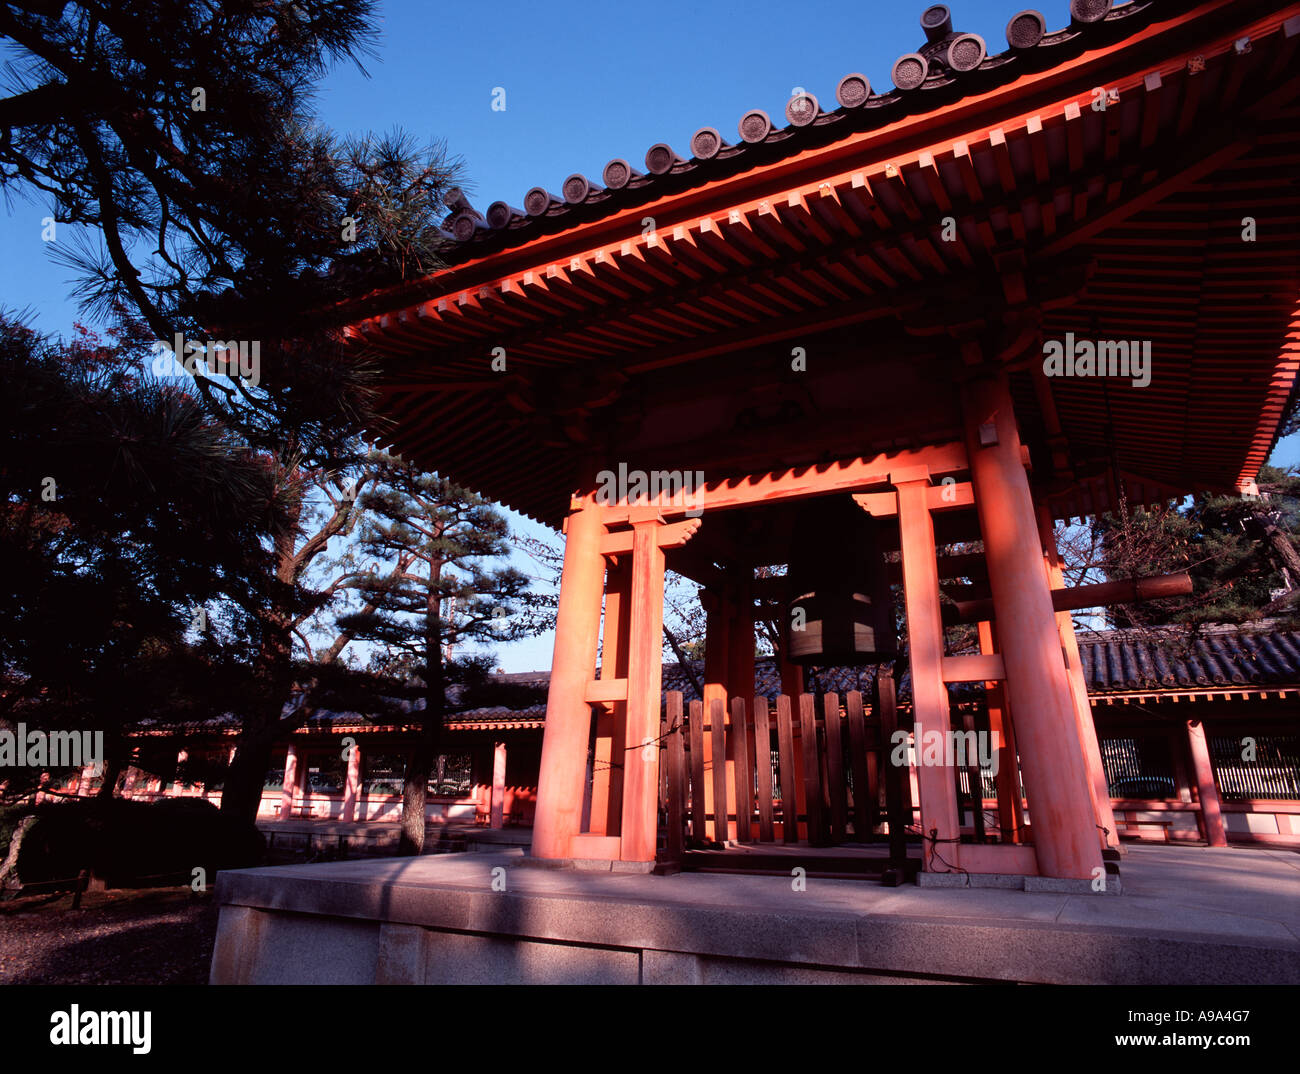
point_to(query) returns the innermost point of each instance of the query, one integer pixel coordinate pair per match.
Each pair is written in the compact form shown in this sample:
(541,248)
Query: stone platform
(309,835)
(1188,915)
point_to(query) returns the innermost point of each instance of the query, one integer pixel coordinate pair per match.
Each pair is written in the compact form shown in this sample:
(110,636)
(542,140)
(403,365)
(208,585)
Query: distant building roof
(1115,662)
(1118,661)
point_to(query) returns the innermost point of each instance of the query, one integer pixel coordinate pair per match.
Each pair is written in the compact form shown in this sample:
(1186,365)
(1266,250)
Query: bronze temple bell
(840,588)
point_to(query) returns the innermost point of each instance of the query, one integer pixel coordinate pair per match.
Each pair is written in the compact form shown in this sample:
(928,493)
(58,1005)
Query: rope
(932,837)
(659,739)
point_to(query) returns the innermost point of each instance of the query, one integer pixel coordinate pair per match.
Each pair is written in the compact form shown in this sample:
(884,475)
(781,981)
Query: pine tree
(446,597)
(125,508)
(194,194)
(1239,550)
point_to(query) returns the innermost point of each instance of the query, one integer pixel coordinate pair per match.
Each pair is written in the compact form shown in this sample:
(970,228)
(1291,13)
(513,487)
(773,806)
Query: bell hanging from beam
(841,611)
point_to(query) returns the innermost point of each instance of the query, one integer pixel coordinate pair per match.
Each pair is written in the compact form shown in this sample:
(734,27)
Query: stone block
(402,955)
(302,949)
(459,959)
(670,968)
(236,947)
(1071,885)
(970,880)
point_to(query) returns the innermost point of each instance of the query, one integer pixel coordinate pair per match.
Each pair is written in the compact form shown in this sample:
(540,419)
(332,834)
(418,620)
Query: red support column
(1011,817)
(913,794)
(496,812)
(740,640)
(290,786)
(740,673)
(611,720)
(717,655)
(791,677)
(1098,786)
(352,785)
(792,684)
(644,685)
(1181,779)
(1063,820)
(563,770)
(1206,789)
(936,782)
(303,790)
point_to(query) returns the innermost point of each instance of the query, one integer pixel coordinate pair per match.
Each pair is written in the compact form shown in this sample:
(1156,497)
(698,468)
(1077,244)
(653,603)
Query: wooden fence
(787,773)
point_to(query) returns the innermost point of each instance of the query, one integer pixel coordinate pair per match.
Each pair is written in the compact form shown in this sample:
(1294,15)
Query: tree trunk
(1287,557)
(112,771)
(683,663)
(415,787)
(9,877)
(419,764)
(415,794)
(241,794)
(241,797)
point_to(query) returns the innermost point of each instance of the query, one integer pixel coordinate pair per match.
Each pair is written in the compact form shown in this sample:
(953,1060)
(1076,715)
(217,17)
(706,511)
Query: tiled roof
(844,222)
(1114,661)
(1121,661)
(324,719)
(949,65)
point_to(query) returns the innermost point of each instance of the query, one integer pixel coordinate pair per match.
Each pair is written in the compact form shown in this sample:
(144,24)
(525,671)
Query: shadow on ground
(132,936)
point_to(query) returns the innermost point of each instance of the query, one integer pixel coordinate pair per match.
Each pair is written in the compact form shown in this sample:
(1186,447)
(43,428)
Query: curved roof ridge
(948,66)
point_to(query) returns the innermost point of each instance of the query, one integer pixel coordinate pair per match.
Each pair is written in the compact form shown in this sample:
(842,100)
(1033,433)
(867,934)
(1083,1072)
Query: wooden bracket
(672,535)
(975,667)
(947,496)
(604,690)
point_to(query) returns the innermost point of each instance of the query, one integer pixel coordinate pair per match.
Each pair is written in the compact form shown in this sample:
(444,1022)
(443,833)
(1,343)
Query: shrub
(128,843)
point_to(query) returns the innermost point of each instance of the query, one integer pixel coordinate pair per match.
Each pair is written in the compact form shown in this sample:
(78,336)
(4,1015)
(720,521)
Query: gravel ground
(129,936)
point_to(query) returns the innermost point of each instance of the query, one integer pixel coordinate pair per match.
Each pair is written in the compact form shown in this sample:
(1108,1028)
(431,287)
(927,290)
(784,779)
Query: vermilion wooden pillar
(1206,789)
(936,784)
(644,685)
(792,686)
(1011,817)
(1079,688)
(740,674)
(1062,817)
(611,722)
(791,677)
(352,785)
(717,633)
(562,775)
(1181,780)
(290,785)
(497,807)
(740,641)
(303,791)
(717,654)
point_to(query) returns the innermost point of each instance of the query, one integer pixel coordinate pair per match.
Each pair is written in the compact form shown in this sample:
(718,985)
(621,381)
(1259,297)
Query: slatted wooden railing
(825,788)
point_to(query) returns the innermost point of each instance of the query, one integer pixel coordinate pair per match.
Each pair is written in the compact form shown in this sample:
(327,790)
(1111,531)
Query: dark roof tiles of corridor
(1114,661)
(1164,659)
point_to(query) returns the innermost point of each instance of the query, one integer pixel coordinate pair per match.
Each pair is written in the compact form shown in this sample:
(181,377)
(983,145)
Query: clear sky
(584,83)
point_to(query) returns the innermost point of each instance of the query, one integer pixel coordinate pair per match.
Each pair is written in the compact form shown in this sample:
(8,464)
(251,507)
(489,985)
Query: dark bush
(127,843)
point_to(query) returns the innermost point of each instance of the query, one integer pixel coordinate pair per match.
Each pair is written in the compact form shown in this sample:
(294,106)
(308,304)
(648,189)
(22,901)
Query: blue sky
(583,84)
